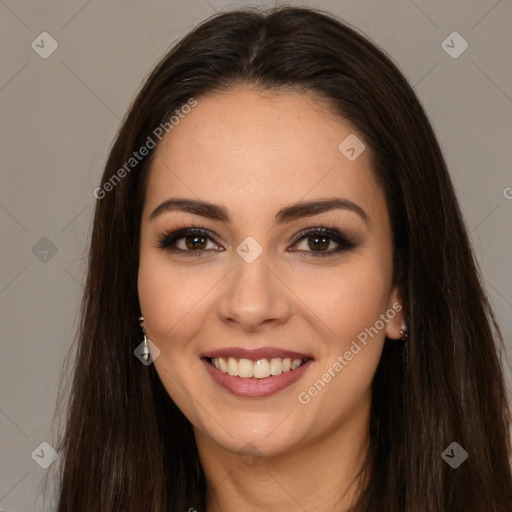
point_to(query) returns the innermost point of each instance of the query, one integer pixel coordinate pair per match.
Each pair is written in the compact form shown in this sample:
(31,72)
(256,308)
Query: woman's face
(261,290)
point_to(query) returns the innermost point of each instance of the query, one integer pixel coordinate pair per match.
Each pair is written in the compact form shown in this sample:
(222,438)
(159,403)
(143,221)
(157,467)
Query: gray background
(60,115)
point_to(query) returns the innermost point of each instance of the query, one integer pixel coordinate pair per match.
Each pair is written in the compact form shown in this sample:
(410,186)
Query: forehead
(252,151)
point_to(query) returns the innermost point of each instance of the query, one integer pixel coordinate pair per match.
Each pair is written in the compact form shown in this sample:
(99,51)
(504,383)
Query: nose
(255,296)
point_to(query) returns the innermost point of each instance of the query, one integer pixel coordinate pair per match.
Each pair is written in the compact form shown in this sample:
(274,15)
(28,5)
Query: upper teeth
(261,369)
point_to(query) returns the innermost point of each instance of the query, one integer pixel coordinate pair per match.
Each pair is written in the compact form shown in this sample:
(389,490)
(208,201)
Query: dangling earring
(404,334)
(145,351)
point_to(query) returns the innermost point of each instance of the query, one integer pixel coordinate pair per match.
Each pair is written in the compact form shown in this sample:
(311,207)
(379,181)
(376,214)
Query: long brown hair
(127,447)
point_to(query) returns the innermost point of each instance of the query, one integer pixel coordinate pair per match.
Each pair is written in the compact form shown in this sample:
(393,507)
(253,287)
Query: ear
(396,314)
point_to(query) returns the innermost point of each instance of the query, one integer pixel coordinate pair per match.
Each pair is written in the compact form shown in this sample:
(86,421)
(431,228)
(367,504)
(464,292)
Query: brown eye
(195,242)
(317,242)
(188,241)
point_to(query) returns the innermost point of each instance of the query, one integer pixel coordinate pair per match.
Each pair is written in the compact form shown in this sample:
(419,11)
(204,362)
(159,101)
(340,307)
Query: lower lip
(256,388)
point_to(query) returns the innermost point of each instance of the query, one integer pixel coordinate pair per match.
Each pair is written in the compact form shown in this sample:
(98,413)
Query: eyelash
(345,241)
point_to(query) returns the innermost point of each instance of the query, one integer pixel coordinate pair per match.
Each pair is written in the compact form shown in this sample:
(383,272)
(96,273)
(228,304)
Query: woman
(328,346)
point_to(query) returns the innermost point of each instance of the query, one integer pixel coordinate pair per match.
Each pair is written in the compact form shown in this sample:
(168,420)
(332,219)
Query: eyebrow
(287,214)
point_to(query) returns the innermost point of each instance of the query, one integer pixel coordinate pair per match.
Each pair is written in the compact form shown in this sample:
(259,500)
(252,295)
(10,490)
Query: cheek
(164,297)
(174,299)
(170,300)
(349,299)
(342,378)
(353,330)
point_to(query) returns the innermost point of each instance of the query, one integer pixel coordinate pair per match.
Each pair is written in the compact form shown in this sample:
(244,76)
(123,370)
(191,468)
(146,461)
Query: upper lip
(255,354)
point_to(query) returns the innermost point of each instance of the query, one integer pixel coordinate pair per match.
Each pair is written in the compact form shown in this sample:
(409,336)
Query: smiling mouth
(259,369)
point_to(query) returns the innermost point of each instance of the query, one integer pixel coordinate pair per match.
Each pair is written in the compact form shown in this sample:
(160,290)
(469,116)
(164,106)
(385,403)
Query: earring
(405,357)
(145,351)
(404,334)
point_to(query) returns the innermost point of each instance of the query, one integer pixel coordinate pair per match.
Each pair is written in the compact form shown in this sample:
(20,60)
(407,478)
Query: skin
(255,153)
